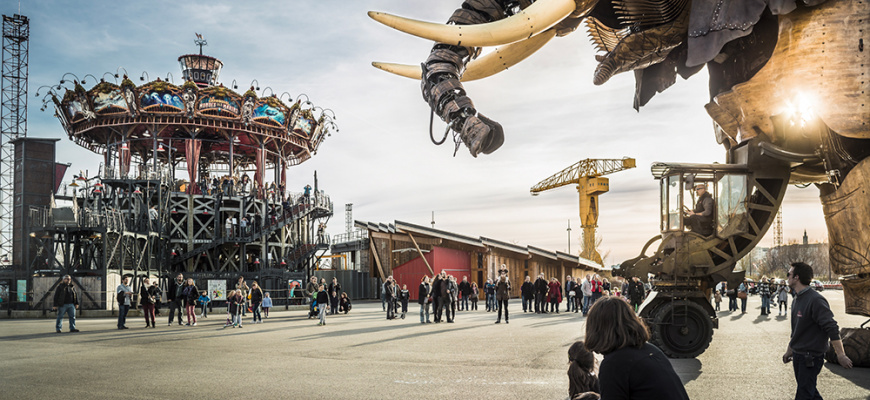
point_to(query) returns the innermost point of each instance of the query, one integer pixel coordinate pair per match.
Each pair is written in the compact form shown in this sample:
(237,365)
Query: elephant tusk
(496,61)
(534,19)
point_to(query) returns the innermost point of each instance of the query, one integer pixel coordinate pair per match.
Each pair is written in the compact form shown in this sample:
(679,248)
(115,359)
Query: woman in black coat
(190,294)
(256,299)
(614,330)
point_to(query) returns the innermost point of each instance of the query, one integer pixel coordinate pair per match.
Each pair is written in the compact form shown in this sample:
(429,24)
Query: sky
(382,159)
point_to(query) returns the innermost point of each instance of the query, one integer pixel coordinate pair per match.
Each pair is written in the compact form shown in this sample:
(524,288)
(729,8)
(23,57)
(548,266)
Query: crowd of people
(768,290)
(613,327)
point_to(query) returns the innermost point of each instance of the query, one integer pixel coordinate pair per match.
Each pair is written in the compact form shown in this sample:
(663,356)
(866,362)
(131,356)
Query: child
(322,301)
(230,295)
(404,295)
(344,303)
(718,298)
(203,301)
(782,296)
(581,371)
(267,304)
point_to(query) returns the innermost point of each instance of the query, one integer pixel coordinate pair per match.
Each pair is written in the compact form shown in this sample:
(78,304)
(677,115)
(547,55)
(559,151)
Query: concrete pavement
(364,356)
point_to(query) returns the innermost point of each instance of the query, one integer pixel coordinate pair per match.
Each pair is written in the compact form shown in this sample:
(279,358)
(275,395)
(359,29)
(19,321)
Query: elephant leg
(847,214)
(446,95)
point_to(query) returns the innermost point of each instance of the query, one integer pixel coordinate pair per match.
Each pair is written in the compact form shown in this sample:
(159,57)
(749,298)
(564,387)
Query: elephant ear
(658,77)
(713,23)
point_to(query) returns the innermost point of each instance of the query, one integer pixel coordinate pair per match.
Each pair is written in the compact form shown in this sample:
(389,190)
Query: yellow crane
(587,175)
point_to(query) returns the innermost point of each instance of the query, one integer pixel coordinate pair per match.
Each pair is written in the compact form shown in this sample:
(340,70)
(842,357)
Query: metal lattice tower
(348,218)
(777,229)
(13,116)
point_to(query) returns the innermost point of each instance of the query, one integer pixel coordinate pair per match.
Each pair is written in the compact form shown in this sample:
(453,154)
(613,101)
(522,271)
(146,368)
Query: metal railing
(358,234)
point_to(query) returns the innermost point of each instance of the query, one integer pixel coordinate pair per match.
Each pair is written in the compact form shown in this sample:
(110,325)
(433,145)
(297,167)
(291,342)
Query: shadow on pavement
(761,318)
(688,369)
(858,376)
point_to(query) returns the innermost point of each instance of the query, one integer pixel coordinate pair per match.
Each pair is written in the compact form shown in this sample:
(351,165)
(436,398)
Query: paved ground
(363,356)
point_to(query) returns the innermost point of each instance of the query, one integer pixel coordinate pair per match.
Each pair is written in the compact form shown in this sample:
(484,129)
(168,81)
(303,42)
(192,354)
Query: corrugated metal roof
(503,245)
(484,242)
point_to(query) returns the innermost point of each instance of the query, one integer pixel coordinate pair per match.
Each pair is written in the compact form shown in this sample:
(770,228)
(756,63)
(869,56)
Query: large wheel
(682,329)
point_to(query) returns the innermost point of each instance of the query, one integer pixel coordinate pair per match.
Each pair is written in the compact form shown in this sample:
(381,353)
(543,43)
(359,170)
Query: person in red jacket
(555,294)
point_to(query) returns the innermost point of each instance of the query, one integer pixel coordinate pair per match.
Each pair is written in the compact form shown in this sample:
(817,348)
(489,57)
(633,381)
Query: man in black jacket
(527,290)
(436,297)
(66,302)
(465,290)
(176,300)
(700,219)
(812,325)
(540,294)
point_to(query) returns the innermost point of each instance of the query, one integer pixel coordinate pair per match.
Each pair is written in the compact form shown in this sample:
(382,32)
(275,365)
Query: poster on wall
(217,289)
(22,290)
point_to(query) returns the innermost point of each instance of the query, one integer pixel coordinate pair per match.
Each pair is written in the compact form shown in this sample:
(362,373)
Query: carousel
(230,214)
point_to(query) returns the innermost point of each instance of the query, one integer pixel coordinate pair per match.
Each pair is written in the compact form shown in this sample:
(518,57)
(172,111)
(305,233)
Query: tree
(779,259)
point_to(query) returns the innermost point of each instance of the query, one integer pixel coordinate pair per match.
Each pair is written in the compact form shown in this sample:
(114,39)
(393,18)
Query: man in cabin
(700,219)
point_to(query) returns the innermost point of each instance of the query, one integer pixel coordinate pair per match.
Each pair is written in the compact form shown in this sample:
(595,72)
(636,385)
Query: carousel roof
(160,113)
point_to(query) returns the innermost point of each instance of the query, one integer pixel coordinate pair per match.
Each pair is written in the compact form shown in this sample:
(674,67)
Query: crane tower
(588,176)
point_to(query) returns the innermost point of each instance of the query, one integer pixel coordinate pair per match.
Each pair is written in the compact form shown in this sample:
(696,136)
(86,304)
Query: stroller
(315,309)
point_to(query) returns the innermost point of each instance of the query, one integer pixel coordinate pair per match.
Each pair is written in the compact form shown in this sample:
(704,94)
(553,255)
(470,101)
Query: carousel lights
(84,82)
(256,87)
(235,85)
(118,72)
(63,78)
(170,78)
(143,75)
(263,94)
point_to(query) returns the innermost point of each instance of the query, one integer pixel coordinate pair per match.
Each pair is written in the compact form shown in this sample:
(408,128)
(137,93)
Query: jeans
(732,304)
(783,303)
(554,306)
(383,300)
(587,302)
(191,313)
(743,305)
(258,316)
(527,304)
(474,304)
(237,319)
(122,315)
(391,309)
(204,312)
(463,303)
(323,315)
(148,310)
(175,305)
(570,303)
(424,309)
(806,375)
(765,304)
(502,305)
(70,310)
(490,302)
(447,306)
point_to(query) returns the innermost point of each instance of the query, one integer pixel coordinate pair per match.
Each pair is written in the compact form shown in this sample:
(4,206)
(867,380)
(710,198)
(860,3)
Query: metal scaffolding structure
(13,118)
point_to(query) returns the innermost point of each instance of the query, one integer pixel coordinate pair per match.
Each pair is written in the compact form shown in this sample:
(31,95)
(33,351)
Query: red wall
(455,262)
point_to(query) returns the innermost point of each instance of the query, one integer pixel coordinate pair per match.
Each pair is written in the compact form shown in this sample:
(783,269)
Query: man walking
(812,325)
(436,297)
(124,293)
(465,290)
(448,290)
(173,295)
(66,302)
